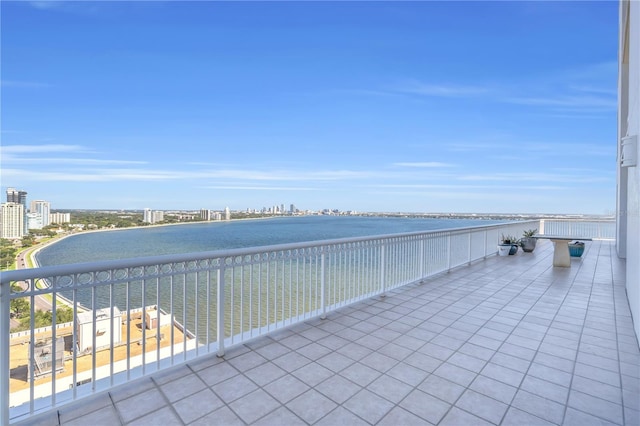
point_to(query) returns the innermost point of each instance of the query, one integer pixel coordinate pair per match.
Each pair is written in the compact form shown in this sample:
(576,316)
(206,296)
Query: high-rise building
(205,214)
(60,218)
(227,213)
(16,196)
(20,197)
(34,221)
(12,195)
(152,216)
(12,220)
(42,208)
(147,216)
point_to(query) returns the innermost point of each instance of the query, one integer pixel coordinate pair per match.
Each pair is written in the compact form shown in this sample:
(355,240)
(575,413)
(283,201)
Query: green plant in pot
(508,244)
(527,242)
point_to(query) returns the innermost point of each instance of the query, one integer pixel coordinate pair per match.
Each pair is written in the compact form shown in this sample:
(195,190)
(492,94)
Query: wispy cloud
(524,149)
(261,188)
(45,4)
(593,89)
(426,164)
(30,149)
(537,177)
(416,87)
(75,161)
(96,175)
(576,102)
(146,174)
(463,187)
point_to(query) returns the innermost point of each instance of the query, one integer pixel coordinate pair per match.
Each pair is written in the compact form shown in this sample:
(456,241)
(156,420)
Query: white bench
(561,255)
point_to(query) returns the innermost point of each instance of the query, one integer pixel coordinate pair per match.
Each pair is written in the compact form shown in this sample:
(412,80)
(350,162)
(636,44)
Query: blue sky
(369,106)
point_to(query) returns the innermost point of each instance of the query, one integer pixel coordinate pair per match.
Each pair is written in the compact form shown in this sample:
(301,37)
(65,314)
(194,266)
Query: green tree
(28,241)
(7,253)
(45,319)
(19,307)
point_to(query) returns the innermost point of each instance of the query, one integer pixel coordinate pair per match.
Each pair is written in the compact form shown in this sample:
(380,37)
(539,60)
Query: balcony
(429,328)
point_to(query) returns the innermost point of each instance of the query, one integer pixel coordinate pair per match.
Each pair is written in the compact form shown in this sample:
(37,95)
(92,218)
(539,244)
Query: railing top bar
(79,268)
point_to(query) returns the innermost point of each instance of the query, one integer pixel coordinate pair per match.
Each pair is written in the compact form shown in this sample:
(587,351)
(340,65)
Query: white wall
(629,124)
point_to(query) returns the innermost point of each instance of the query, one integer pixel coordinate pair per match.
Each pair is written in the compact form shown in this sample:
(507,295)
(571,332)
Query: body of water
(266,292)
(207,236)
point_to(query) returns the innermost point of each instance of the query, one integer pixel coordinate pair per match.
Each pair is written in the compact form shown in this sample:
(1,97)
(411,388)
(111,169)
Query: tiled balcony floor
(510,340)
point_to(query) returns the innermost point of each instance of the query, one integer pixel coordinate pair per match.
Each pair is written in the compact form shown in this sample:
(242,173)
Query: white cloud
(105,174)
(45,4)
(577,103)
(537,177)
(427,164)
(464,187)
(261,188)
(593,89)
(439,90)
(75,161)
(29,149)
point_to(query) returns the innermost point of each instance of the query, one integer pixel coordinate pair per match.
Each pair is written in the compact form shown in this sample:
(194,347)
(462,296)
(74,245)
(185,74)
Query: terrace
(423,328)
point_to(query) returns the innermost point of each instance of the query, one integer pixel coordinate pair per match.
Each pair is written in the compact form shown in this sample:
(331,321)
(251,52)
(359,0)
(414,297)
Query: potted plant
(508,245)
(576,249)
(527,242)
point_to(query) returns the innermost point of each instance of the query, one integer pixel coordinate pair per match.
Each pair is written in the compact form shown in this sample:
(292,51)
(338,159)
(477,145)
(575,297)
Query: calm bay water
(182,294)
(207,236)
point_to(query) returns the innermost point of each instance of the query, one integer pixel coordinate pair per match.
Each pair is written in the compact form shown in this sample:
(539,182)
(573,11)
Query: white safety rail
(586,228)
(212,300)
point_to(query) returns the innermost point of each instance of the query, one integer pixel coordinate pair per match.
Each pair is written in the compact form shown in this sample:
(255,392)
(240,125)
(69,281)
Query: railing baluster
(382,270)
(172,312)
(323,284)
(220,306)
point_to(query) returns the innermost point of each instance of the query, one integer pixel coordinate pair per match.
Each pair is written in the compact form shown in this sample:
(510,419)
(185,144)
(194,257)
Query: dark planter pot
(514,249)
(528,244)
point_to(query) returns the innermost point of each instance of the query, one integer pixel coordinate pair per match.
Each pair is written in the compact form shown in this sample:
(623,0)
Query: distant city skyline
(487,107)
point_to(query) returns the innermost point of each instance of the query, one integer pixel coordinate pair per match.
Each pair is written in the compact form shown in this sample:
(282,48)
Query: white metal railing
(586,228)
(132,317)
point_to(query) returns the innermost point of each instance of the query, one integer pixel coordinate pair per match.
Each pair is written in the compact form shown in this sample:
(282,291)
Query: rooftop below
(508,340)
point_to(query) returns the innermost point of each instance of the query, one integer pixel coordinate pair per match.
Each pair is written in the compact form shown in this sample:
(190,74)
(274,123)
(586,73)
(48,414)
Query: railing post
(485,243)
(449,252)
(541,227)
(323,288)
(5,324)
(421,260)
(382,272)
(469,254)
(220,306)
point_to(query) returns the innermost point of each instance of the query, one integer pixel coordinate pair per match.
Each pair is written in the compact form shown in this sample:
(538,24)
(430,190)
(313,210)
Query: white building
(43,208)
(152,216)
(205,214)
(227,213)
(106,328)
(34,221)
(12,221)
(628,192)
(60,218)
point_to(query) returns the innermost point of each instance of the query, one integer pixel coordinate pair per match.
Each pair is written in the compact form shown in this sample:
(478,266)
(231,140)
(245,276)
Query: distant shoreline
(54,240)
